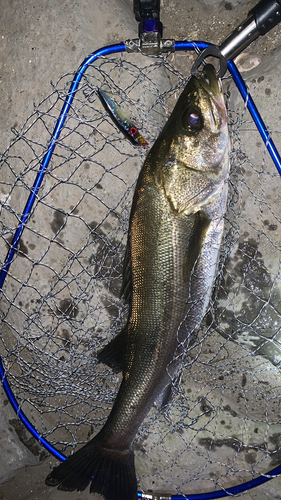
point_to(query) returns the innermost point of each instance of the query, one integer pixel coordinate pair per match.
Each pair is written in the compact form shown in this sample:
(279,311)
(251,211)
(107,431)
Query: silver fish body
(175,232)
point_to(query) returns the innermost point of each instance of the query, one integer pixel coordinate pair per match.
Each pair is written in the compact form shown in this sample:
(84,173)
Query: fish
(124,123)
(171,259)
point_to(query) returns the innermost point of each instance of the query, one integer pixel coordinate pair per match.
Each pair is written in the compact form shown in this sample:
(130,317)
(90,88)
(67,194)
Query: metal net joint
(150,44)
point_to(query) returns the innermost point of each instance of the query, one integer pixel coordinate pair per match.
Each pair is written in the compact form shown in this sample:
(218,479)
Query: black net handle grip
(261,19)
(267,14)
(146,9)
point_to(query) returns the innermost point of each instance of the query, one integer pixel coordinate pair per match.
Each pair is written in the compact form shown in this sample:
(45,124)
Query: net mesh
(60,302)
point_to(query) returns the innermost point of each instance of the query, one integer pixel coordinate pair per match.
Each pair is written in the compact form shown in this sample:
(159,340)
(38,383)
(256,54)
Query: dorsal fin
(126,288)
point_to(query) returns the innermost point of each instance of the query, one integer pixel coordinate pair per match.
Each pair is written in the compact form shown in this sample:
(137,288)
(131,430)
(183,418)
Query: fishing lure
(126,126)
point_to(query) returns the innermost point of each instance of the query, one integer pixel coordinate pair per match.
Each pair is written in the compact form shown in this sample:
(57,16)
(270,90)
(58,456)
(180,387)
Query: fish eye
(192,120)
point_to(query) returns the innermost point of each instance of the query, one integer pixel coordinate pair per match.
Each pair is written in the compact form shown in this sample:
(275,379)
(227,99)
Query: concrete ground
(39,42)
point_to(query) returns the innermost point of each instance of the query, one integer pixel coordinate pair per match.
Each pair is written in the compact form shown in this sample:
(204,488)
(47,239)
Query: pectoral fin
(196,241)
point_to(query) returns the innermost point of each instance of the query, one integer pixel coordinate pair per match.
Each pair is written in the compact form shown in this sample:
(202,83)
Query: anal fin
(166,396)
(113,353)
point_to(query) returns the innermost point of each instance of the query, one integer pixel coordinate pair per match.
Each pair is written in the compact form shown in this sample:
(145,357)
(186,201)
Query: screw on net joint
(124,124)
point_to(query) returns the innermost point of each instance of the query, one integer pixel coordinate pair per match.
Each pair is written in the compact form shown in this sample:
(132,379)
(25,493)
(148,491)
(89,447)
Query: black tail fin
(112,472)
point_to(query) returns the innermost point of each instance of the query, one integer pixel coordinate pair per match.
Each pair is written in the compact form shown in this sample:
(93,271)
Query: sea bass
(175,232)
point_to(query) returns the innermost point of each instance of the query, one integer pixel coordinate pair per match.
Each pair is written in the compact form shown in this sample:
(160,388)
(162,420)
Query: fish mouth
(209,81)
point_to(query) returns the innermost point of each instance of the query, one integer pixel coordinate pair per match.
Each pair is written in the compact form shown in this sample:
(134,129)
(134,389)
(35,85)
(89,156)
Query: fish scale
(174,237)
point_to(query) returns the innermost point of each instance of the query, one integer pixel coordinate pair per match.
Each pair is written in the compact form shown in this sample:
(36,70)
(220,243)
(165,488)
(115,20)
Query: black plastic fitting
(146,9)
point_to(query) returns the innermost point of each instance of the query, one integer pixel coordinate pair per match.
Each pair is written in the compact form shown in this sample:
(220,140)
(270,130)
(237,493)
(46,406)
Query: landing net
(60,302)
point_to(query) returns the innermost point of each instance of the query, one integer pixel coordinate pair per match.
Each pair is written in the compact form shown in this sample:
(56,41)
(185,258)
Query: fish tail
(111,472)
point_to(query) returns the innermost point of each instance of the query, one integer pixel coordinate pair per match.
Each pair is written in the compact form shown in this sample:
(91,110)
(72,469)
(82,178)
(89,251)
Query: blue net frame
(108,50)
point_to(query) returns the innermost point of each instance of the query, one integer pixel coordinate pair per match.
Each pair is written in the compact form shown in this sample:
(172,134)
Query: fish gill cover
(60,303)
